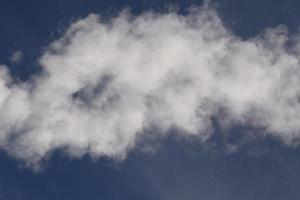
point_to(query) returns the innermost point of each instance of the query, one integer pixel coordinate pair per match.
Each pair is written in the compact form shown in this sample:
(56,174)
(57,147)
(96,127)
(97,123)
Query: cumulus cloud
(103,83)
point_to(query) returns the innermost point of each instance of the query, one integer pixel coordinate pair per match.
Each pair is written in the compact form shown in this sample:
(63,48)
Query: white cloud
(104,82)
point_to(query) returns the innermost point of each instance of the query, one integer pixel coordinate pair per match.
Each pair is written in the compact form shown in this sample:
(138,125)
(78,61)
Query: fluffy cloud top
(105,82)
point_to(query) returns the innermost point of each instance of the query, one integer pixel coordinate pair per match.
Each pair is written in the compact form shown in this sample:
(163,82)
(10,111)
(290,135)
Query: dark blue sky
(263,169)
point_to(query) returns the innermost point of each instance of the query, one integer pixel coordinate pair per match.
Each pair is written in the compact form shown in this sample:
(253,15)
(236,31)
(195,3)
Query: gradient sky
(262,169)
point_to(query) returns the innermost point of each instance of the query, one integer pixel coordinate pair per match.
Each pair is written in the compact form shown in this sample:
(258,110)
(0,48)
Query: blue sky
(253,157)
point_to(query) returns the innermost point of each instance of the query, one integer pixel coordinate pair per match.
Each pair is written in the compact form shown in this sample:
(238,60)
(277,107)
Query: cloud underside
(103,83)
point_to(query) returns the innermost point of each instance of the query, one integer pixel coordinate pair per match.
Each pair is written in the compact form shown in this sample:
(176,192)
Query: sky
(137,99)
